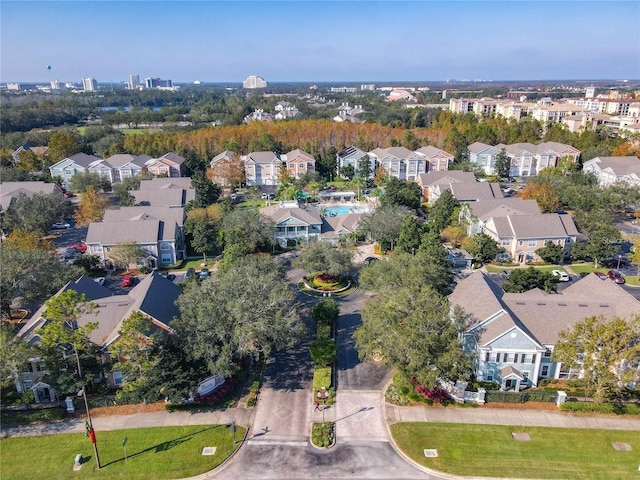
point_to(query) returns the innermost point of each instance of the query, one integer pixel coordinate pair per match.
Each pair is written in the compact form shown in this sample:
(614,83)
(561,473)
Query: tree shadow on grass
(164,446)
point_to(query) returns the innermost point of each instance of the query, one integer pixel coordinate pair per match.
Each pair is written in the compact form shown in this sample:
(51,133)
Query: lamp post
(323,395)
(91,432)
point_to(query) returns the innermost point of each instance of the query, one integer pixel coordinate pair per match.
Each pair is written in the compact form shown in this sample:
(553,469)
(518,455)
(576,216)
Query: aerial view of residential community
(312,240)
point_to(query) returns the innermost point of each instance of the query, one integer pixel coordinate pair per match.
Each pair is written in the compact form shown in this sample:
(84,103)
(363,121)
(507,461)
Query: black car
(369,260)
(191,272)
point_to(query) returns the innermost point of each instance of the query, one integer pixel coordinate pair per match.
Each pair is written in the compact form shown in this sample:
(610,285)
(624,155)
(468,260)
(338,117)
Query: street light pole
(86,406)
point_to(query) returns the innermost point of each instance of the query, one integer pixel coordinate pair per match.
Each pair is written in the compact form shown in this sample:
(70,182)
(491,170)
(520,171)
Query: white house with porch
(512,335)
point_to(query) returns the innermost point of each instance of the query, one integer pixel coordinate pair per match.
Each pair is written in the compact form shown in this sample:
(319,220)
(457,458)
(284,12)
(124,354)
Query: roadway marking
(278,442)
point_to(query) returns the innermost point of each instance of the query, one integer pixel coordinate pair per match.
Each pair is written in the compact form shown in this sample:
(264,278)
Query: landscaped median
(520,452)
(323,351)
(158,453)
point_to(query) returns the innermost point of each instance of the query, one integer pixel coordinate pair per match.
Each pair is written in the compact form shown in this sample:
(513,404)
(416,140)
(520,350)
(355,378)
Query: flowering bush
(219,394)
(436,395)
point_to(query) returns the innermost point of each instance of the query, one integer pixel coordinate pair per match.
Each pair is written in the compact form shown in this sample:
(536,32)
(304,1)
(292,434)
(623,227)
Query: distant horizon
(340,82)
(318,41)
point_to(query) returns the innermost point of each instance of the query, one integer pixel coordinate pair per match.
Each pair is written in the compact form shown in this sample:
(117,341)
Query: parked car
(601,275)
(562,275)
(204,273)
(369,260)
(60,226)
(615,276)
(191,272)
(505,273)
(80,247)
(99,280)
(267,196)
(127,281)
(167,275)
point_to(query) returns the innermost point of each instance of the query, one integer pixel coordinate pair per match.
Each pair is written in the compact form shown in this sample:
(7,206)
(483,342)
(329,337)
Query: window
(533,358)
(489,377)
(525,376)
(506,242)
(545,370)
(532,243)
(515,358)
(547,353)
(165,246)
(497,357)
(117,378)
(28,384)
(166,258)
(487,357)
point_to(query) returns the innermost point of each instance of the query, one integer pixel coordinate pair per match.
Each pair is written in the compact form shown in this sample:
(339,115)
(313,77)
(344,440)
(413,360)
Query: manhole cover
(430,453)
(521,436)
(625,447)
(209,450)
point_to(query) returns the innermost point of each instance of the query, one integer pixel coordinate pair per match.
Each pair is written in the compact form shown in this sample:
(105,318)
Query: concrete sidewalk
(499,416)
(242,416)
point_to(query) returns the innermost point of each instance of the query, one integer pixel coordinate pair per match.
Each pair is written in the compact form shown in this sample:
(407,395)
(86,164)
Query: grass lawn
(490,450)
(158,453)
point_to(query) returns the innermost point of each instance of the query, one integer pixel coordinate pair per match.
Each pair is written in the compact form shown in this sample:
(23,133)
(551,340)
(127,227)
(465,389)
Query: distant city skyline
(327,41)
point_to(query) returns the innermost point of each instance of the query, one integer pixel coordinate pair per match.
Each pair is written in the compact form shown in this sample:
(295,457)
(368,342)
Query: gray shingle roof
(116,232)
(431,151)
(542,315)
(163,182)
(473,191)
(262,157)
(502,207)
(162,197)
(619,165)
(447,177)
(279,213)
(121,159)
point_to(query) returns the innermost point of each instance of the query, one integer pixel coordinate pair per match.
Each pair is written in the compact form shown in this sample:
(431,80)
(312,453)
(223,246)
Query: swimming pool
(342,210)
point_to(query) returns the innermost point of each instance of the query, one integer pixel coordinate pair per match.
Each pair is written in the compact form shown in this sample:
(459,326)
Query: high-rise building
(590,92)
(254,81)
(56,85)
(89,84)
(134,82)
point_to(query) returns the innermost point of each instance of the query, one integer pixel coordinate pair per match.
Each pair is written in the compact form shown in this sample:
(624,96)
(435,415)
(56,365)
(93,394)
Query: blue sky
(327,41)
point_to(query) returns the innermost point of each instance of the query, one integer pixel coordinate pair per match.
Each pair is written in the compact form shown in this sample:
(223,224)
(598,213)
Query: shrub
(324,331)
(18,417)
(251,402)
(321,378)
(323,351)
(589,407)
(322,434)
(255,387)
(397,395)
(435,395)
(325,311)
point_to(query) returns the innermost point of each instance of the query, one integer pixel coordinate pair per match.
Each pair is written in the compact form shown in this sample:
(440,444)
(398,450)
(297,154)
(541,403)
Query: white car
(99,280)
(60,225)
(562,275)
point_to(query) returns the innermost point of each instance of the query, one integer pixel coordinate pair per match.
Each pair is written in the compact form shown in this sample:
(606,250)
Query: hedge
(589,407)
(321,378)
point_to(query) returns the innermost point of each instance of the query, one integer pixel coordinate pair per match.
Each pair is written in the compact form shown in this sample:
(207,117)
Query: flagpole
(91,432)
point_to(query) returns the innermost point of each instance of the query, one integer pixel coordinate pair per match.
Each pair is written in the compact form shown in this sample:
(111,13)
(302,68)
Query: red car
(81,247)
(615,276)
(127,281)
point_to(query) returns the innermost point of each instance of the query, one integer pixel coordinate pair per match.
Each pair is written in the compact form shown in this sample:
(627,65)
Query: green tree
(14,353)
(523,279)
(81,182)
(246,231)
(482,247)
(442,210)
(204,234)
(30,275)
(246,309)
(503,164)
(410,236)
(414,331)
(364,167)
(206,192)
(606,351)
(126,254)
(36,213)
(323,351)
(326,311)
(63,145)
(384,224)
(326,258)
(347,172)
(401,192)
(70,356)
(551,252)
(138,348)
